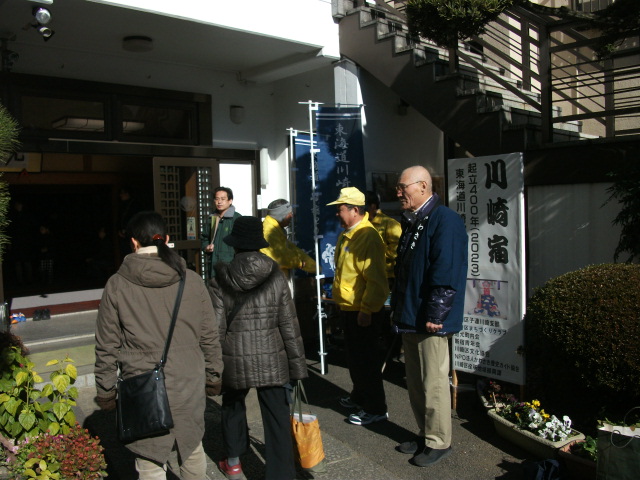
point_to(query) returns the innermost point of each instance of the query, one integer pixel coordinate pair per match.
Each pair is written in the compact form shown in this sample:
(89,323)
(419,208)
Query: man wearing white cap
(287,255)
(360,289)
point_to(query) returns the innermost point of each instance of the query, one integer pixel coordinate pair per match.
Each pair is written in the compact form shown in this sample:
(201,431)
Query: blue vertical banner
(339,163)
(302,194)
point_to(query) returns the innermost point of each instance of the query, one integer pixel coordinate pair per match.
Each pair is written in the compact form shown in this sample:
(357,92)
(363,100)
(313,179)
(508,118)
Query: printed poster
(488,193)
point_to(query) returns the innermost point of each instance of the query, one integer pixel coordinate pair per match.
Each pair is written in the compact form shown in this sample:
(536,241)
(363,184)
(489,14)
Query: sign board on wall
(488,193)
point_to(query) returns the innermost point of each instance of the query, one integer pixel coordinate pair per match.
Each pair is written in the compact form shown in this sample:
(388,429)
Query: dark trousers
(365,362)
(274,407)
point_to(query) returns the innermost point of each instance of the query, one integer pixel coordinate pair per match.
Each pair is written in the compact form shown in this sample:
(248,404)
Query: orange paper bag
(305,429)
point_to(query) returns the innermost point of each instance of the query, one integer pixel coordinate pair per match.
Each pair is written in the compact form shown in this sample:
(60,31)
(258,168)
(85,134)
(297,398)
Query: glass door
(183,194)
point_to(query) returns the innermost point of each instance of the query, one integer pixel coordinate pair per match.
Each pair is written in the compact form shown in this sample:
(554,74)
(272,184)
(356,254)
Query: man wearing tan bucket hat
(360,289)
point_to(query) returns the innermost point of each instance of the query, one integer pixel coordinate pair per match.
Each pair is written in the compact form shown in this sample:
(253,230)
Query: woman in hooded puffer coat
(132,326)
(261,348)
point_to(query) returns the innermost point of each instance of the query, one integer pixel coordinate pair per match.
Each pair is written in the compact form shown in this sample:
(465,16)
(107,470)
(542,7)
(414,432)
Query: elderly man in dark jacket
(261,348)
(428,306)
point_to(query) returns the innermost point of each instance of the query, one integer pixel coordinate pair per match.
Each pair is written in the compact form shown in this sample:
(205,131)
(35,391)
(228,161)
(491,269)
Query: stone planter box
(529,441)
(578,468)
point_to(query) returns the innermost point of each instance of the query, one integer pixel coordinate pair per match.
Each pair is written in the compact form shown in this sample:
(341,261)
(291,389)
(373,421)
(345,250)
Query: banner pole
(313,107)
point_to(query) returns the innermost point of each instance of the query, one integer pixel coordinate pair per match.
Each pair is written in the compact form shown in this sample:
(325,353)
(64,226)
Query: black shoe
(410,447)
(348,403)
(37,315)
(46,314)
(431,456)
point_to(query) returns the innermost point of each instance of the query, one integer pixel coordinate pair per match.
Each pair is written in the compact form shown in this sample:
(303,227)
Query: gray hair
(279,209)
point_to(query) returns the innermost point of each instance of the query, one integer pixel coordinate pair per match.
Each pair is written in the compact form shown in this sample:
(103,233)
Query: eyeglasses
(403,187)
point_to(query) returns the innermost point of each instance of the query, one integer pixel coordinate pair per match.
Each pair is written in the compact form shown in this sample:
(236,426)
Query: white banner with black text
(488,193)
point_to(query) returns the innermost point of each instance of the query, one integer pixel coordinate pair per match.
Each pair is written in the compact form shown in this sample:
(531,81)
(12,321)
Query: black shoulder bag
(143,405)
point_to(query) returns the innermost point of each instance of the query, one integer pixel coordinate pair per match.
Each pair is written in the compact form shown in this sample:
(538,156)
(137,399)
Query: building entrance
(65,225)
(63,237)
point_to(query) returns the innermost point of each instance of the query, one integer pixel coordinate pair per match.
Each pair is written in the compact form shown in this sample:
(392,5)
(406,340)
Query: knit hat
(279,211)
(246,234)
(350,196)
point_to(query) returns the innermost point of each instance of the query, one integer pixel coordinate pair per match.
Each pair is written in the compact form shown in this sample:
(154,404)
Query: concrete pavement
(352,452)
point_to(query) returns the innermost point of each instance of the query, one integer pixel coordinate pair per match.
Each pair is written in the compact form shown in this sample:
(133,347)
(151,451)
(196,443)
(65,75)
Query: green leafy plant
(9,131)
(447,21)
(626,190)
(27,411)
(581,342)
(631,420)
(75,454)
(586,449)
(619,21)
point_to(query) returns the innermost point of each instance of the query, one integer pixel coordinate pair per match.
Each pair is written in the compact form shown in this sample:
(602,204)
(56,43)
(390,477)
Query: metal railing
(550,64)
(589,6)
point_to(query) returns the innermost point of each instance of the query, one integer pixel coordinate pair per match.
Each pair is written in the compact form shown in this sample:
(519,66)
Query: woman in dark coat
(131,330)
(261,348)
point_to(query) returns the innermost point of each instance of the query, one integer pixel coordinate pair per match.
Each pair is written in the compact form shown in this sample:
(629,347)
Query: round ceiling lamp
(42,15)
(137,43)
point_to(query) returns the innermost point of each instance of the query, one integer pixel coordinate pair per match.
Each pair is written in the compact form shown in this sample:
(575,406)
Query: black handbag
(143,405)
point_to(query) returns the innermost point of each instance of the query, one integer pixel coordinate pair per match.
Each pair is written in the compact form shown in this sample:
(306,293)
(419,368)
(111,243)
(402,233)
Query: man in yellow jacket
(284,252)
(388,228)
(359,289)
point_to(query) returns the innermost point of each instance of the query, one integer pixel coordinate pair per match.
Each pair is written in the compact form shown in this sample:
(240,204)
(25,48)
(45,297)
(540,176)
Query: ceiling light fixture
(42,15)
(45,31)
(137,43)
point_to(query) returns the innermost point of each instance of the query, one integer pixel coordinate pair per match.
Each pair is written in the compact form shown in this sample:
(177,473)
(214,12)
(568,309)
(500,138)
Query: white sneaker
(364,418)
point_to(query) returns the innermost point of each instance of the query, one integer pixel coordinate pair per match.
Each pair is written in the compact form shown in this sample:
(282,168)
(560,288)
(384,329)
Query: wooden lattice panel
(170,199)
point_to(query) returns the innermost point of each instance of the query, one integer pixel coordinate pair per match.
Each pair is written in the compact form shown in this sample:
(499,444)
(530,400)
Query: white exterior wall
(393,141)
(304,21)
(316,86)
(569,227)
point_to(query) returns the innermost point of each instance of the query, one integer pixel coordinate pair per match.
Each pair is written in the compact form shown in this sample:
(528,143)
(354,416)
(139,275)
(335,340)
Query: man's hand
(433,327)
(107,402)
(364,319)
(209,248)
(213,388)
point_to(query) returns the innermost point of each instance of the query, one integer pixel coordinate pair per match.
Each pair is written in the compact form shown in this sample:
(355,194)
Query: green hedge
(583,340)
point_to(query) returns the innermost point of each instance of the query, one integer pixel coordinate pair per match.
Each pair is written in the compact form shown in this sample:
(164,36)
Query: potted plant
(619,446)
(493,395)
(75,455)
(527,425)
(39,435)
(580,458)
